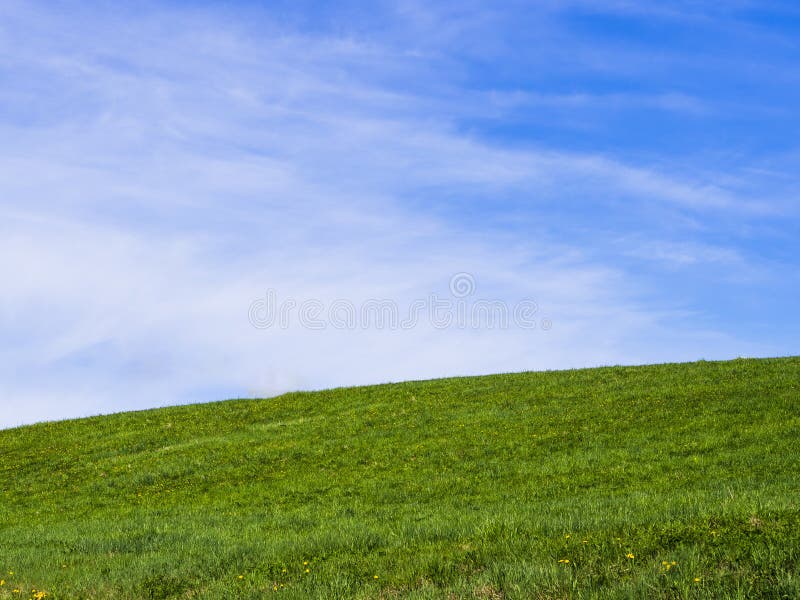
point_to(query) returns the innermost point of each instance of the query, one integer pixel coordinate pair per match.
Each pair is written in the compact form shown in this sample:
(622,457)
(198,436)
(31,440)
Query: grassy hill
(677,480)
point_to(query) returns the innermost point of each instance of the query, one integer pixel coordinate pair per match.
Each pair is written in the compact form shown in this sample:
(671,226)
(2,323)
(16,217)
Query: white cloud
(152,186)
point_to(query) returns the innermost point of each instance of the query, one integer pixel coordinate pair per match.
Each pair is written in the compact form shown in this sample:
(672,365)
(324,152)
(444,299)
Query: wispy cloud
(159,175)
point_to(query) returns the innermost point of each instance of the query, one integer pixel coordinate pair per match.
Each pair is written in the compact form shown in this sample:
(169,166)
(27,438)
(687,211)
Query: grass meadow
(667,481)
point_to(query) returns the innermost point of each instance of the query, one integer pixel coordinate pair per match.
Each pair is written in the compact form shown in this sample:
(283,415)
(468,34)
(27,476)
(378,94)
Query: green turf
(675,480)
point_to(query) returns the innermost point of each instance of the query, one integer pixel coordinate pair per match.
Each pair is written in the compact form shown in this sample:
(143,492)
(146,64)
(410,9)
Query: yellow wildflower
(629,555)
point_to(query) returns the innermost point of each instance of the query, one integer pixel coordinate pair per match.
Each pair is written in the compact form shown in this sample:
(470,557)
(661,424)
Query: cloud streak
(159,176)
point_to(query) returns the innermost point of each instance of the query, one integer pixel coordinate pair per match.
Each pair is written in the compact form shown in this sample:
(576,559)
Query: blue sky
(632,167)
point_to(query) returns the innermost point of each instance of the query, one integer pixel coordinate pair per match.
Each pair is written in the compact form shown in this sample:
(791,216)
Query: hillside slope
(675,480)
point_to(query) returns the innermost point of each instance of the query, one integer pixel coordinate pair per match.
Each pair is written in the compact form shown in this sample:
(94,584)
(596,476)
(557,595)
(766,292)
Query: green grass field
(678,480)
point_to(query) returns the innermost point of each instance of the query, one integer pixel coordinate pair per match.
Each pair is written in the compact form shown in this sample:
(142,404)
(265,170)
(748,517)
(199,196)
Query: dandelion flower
(697,580)
(629,555)
(375,577)
(564,561)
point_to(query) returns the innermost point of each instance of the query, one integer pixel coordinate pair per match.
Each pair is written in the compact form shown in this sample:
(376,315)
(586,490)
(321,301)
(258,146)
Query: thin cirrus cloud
(161,171)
